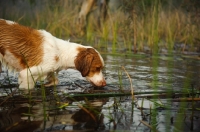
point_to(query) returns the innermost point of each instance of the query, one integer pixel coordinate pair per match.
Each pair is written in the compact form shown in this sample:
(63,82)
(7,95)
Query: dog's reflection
(76,116)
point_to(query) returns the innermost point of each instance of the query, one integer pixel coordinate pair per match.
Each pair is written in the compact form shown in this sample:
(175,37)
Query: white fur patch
(10,61)
(97,79)
(10,22)
(12,65)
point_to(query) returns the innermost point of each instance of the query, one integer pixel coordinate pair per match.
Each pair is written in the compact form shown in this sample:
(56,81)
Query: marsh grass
(155,88)
(114,41)
(169,84)
(44,105)
(146,25)
(153,41)
(57,18)
(120,79)
(182,111)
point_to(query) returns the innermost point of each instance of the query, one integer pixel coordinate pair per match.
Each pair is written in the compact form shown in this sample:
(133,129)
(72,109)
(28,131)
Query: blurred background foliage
(131,25)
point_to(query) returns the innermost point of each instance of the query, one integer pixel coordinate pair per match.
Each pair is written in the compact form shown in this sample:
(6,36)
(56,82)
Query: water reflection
(47,116)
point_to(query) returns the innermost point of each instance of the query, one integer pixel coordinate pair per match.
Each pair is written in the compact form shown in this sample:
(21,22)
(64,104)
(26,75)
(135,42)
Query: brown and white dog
(37,55)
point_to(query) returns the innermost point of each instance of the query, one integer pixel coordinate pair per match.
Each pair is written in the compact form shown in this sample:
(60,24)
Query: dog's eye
(98,68)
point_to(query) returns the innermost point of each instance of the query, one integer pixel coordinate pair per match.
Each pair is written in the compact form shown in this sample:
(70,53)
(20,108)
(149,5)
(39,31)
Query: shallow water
(148,73)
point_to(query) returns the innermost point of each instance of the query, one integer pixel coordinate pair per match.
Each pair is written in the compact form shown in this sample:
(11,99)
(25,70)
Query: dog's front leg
(26,80)
(52,79)
(28,77)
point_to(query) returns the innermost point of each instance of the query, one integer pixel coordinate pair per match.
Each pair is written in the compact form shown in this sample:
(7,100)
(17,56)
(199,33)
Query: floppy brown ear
(83,62)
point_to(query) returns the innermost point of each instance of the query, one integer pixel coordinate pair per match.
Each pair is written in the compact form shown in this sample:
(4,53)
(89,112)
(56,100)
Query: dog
(37,55)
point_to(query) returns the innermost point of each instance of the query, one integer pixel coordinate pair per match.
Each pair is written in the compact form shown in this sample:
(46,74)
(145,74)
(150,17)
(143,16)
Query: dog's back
(18,45)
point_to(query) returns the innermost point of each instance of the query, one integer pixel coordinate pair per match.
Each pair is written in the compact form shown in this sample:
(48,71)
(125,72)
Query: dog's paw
(26,85)
(52,83)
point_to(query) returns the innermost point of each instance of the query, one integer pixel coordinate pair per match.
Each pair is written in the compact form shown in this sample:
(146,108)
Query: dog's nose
(103,83)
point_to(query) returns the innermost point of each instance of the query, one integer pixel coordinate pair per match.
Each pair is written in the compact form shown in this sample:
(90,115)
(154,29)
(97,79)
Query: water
(148,73)
(170,70)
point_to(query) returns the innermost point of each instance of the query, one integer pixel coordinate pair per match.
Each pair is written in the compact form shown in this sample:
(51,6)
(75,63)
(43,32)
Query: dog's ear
(83,61)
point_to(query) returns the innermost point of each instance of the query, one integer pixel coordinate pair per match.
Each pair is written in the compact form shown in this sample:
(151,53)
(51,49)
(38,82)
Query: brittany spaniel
(37,55)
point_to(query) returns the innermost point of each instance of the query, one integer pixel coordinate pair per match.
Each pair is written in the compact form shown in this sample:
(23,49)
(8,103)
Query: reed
(169,84)
(104,32)
(153,39)
(114,41)
(159,23)
(182,112)
(120,80)
(43,93)
(155,88)
(89,33)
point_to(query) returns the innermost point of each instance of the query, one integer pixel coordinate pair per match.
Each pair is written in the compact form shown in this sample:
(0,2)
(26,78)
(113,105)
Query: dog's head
(90,63)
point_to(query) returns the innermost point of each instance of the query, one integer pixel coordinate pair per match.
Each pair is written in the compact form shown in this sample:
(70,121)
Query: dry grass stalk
(146,124)
(8,96)
(132,89)
(91,115)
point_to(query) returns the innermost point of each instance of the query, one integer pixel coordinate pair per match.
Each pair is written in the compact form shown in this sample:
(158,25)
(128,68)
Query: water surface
(51,109)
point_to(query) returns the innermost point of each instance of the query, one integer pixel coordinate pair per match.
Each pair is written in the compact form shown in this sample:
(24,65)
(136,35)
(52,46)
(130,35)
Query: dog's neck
(67,53)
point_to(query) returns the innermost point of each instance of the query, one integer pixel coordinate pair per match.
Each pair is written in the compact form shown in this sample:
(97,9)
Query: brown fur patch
(88,62)
(2,50)
(56,58)
(23,42)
